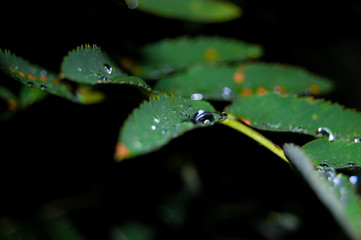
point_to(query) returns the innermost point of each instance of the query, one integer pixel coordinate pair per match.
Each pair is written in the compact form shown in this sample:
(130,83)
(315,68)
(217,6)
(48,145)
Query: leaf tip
(121,152)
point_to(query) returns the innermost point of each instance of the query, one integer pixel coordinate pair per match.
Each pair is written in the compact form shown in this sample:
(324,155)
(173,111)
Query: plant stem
(241,127)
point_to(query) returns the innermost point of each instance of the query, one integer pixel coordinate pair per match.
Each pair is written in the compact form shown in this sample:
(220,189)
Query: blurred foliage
(59,178)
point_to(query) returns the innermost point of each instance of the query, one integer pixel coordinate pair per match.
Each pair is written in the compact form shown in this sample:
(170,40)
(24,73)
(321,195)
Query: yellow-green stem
(239,126)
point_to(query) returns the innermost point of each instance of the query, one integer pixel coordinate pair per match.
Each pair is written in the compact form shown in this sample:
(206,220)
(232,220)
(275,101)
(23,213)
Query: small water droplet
(226,93)
(163,131)
(353,179)
(43,87)
(108,68)
(43,72)
(325,132)
(196,96)
(102,78)
(324,164)
(153,127)
(352,164)
(356,140)
(30,84)
(79,69)
(156,119)
(132,4)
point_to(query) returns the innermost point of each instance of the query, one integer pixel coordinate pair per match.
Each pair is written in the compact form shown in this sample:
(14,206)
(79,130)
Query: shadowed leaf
(337,154)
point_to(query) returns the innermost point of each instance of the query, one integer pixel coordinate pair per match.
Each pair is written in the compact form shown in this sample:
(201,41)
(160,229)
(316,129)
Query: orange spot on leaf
(314,116)
(11,69)
(238,76)
(247,92)
(13,104)
(126,62)
(210,54)
(22,74)
(246,121)
(121,152)
(31,77)
(261,90)
(314,89)
(44,78)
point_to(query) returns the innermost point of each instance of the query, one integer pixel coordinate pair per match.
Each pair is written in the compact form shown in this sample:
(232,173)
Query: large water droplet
(108,68)
(197,96)
(325,132)
(203,117)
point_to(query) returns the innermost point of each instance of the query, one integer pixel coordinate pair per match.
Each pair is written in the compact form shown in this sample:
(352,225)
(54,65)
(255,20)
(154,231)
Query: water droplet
(325,132)
(79,69)
(196,96)
(30,84)
(153,127)
(43,72)
(163,131)
(43,87)
(108,68)
(156,119)
(351,164)
(226,93)
(132,4)
(356,140)
(102,78)
(353,179)
(203,117)
(324,164)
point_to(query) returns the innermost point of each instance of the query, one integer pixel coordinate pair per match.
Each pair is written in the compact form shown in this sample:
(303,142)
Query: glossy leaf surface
(304,115)
(334,190)
(191,10)
(88,64)
(228,82)
(158,121)
(337,154)
(174,54)
(34,76)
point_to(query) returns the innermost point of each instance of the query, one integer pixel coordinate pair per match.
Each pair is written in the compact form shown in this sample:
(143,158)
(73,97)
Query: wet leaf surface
(158,121)
(334,189)
(305,115)
(228,82)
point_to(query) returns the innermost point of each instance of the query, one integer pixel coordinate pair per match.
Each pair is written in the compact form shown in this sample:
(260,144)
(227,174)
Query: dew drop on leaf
(196,96)
(43,87)
(325,132)
(153,127)
(353,179)
(356,140)
(108,68)
(203,117)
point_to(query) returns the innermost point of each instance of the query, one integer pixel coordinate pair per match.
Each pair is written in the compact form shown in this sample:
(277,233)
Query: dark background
(59,155)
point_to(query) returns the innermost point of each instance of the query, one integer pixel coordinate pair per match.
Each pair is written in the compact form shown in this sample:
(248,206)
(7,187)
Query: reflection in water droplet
(203,117)
(132,3)
(197,96)
(325,132)
(108,68)
(153,127)
(353,179)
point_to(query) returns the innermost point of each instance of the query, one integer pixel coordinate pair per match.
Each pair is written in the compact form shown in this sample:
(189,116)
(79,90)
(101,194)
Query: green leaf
(334,190)
(12,103)
(158,121)
(337,154)
(88,64)
(29,96)
(173,54)
(191,10)
(228,82)
(304,115)
(34,76)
